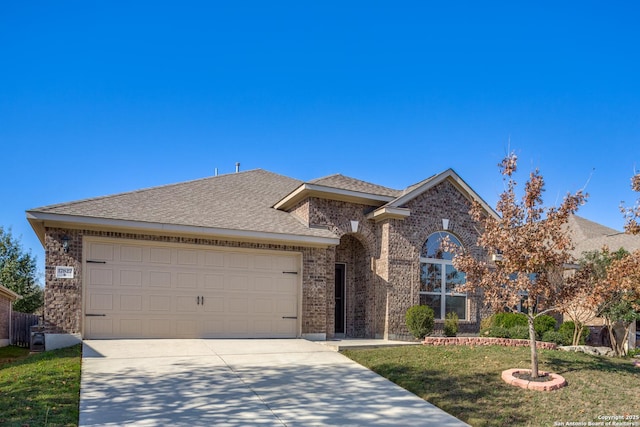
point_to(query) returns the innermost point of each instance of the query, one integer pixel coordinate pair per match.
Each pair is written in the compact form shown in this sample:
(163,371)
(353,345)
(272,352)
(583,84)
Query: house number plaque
(64,272)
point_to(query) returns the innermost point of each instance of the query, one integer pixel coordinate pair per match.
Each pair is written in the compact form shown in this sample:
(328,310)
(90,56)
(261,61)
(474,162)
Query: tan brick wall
(5,308)
(380,292)
(444,201)
(301,211)
(364,309)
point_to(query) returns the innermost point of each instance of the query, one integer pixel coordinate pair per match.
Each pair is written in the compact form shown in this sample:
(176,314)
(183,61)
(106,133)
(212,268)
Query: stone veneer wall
(63,297)
(5,308)
(484,341)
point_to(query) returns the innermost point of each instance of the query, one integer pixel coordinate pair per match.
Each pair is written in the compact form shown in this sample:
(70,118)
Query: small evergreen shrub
(486,324)
(498,332)
(555,337)
(519,332)
(566,330)
(509,320)
(543,324)
(419,320)
(451,325)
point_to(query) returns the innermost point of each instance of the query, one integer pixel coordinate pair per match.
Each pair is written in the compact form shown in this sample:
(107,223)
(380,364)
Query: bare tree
(632,214)
(622,307)
(594,293)
(527,249)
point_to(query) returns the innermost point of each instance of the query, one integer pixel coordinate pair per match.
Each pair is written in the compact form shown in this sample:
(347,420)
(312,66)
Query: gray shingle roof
(591,236)
(240,201)
(347,183)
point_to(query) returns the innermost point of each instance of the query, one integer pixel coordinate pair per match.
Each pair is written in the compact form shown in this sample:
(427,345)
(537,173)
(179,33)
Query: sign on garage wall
(64,272)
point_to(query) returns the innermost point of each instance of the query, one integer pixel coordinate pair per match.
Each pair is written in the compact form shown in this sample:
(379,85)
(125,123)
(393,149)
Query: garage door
(140,290)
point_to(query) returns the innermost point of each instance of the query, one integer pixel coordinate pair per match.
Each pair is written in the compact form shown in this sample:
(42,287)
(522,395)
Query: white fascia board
(308,190)
(387,212)
(93,222)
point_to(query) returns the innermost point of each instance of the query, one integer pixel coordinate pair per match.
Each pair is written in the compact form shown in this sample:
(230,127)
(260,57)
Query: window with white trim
(439,278)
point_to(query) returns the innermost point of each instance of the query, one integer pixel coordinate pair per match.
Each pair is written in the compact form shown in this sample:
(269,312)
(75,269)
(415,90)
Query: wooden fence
(21,324)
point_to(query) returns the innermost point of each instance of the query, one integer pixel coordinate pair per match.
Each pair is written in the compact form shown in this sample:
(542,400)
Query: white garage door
(141,290)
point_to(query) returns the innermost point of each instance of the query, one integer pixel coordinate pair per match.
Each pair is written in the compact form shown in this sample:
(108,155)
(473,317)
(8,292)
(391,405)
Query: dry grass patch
(465,381)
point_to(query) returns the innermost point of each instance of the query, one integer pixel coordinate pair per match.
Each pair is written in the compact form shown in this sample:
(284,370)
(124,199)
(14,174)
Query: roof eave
(387,212)
(320,191)
(9,294)
(40,220)
(452,176)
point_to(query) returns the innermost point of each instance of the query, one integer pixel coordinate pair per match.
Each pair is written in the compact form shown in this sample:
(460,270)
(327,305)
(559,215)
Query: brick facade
(382,259)
(5,310)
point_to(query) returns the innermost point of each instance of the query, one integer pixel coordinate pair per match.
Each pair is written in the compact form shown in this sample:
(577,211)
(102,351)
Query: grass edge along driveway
(465,382)
(40,389)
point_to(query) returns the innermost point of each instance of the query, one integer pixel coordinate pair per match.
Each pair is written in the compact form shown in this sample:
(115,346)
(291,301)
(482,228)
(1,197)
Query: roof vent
(237,167)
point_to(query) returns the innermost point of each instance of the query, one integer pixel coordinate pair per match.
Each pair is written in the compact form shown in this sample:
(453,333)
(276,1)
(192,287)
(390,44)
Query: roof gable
(397,205)
(339,187)
(342,182)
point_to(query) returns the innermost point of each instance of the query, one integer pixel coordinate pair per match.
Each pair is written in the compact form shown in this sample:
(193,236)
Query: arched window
(439,278)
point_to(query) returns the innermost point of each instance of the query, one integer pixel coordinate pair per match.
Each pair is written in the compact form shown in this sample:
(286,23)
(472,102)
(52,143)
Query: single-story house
(7,297)
(256,254)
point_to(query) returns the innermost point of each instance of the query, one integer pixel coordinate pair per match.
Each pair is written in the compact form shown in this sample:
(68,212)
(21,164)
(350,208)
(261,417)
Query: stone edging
(481,341)
(556,382)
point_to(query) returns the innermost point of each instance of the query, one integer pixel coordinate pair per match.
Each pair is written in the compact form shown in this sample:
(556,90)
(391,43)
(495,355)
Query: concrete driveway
(239,383)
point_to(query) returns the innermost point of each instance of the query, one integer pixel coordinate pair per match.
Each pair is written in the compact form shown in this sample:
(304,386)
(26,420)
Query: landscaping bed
(466,382)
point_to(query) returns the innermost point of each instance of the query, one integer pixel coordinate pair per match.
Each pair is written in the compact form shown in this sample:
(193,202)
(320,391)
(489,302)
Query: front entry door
(340,298)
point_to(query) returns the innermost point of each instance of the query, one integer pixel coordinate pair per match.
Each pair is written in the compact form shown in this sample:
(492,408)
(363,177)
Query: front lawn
(465,382)
(41,389)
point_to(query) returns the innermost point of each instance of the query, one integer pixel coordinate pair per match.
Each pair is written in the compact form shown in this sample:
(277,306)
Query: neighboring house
(7,297)
(590,236)
(256,254)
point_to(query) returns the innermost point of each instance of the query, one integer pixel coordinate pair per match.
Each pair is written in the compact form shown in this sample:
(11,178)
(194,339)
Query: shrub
(543,324)
(633,352)
(555,337)
(486,324)
(509,320)
(451,325)
(419,319)
(519,332)
(567,328)
(497,332)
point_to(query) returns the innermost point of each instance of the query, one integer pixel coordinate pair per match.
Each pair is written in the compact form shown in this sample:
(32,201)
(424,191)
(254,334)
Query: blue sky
(98,98)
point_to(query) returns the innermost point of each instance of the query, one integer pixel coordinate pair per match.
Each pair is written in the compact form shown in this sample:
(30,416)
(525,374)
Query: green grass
(465,382)
(41,389)
(12,353)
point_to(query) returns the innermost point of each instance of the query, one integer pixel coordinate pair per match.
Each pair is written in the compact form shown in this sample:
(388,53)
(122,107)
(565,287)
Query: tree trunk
(577,333)
(534,348)
(618,343)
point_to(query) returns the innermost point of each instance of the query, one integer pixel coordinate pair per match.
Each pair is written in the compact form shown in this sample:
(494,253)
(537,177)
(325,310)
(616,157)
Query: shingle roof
(239,201)
(591,236)
(347,183)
